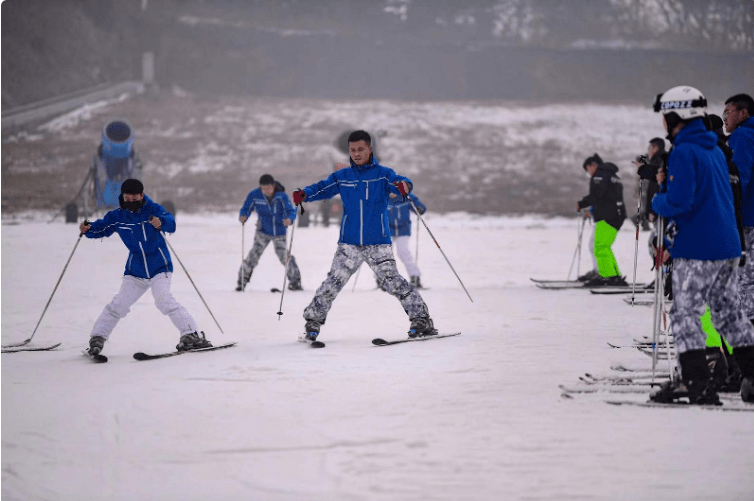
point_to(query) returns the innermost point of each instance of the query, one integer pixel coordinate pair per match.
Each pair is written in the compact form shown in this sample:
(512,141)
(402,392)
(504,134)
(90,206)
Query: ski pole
(287,261)
(243,256)
(55,289)
(355,279)
(659,293)
(417,244)
(190,279)
(636,246)
(577,251)
(438,246)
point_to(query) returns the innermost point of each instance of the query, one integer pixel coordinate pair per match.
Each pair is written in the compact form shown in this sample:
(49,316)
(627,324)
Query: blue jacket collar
(371,163)
(695,132)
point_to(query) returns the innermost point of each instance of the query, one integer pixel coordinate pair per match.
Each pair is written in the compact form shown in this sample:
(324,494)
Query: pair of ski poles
(78,240)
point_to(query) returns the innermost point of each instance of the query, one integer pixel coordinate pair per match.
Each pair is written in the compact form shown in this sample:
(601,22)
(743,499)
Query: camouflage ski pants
(347,260)
(713,283)
(746,276)
(261,240)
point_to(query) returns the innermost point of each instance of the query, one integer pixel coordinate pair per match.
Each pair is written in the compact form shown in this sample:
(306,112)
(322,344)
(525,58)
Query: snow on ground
(472,417)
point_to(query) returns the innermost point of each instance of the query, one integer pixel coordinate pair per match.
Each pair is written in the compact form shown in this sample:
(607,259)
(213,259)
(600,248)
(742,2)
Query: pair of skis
(100,358)
(382,342)
(19,347)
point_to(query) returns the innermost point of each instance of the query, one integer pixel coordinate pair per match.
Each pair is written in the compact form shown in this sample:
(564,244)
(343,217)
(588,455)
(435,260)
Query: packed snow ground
(472,417)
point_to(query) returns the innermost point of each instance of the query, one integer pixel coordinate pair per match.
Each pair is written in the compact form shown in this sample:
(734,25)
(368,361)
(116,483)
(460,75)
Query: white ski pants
(131,289)
(401,248)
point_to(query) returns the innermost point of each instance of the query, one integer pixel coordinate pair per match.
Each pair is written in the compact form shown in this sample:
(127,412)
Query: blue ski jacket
(365,190)
(741,141)
(399,214)
(148,251)
(699,197)
(271,212)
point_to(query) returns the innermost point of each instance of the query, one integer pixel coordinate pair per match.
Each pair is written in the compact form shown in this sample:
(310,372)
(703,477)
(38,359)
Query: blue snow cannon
(116,160)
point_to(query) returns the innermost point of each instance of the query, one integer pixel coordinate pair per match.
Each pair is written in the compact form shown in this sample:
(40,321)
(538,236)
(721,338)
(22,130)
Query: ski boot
(669,392)
(241,286)
(416,282)
(193,341)
(311,331)
(587,276)
(96,343)
(718,367)
(747,390)
(421,327)
(295,286)
(597,281)
(617,281)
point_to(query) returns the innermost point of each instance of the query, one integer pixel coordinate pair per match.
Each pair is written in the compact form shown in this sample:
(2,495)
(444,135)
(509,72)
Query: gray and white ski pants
(380,259)
(131,289)
(714,283)
(746,276)
(261,240)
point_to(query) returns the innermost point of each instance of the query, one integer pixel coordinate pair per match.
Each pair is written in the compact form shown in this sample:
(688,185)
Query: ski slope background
(472,417)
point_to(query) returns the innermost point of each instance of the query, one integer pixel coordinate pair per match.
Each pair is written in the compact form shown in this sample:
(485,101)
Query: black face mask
(132,206)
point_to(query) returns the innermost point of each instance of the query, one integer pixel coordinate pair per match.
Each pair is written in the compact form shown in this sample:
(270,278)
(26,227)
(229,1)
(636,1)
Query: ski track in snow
(477,416)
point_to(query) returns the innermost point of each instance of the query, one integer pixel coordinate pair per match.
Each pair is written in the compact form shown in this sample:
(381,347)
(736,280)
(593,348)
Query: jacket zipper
(164,259)
(361,222)
(367,189)
(146,267)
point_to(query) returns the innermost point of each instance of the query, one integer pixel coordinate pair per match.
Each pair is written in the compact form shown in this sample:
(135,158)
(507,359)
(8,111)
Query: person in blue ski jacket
(399,221)
(139,222)
(364,187)
(276,213)
(696,195)
(738,118)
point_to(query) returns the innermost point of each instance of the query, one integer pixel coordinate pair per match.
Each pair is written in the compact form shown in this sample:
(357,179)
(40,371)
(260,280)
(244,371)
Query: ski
(639,301)
(537,281)
(606,388)
(622,290)
(633,369)
(617,382)
(637,377)
(24,347)
(381,342)
(98,358)
(312,344)
(17,345)
(728,406)
(560,285)
(144,356)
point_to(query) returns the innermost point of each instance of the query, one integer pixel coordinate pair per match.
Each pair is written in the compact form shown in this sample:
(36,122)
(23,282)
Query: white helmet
(686,102)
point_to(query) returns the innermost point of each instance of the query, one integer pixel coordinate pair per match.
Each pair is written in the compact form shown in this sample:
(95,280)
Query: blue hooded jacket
(699,197)
(399,214)
(364,190)
(271,212)
(148,251)
(741,141)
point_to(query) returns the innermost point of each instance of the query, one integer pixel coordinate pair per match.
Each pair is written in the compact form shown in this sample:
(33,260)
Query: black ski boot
(718,366)
(96,343)
(745,358)
(193,341)
(670,392)
(421,327)
(416,282)
(295,286)
(588,276)
(697,378)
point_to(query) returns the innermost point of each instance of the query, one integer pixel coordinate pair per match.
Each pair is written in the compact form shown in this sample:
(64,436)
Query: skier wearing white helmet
(696,195)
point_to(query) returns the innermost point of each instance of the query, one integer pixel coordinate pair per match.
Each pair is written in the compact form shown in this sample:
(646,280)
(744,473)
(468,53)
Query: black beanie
(659,142)
(266,179)
(132,187)
(592,160)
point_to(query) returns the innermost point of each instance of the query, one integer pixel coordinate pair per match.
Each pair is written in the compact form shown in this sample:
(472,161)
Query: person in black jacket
(606,200)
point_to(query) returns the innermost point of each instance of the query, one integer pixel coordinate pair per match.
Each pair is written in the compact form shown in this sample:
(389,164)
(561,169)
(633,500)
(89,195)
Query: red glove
(402,187)
(298,197)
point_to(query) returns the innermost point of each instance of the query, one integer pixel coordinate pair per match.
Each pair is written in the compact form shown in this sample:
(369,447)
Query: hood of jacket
(695,132)
(609,166)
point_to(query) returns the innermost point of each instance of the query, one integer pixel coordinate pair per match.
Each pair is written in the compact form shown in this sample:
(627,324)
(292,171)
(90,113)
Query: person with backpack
(608,210)
(276,213)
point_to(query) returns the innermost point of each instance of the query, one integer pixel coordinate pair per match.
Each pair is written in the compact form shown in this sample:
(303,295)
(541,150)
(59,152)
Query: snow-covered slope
(472,417)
